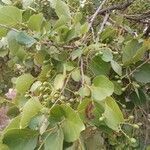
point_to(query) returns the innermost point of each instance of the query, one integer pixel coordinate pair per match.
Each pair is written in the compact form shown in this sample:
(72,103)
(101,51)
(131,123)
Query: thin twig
(9,28)
(136,68)
(103,24)
(120,6)
(96,13)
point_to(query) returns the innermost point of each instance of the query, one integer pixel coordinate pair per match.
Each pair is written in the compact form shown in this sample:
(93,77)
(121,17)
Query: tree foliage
(74,71)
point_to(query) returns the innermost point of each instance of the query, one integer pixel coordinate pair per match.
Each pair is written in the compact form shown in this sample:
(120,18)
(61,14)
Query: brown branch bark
(121,6)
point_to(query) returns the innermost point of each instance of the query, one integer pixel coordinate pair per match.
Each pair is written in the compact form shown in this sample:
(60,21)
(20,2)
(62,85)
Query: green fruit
(62,97)
(123,89)
(131,117)
(135,126)
(133,140)
(41,88)
(119,81)
(56,95)
(101,118)
(45,96)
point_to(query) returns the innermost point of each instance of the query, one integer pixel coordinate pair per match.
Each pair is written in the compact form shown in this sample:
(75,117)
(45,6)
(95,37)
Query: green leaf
(143,74)
(59,81)
(4,147)
(24,82)
(76,53)
(72,124)
(129,51)
(117,88)
(24,139)
(30,109)
(113,115)
(35,22)
(12,43)
(107,55)
(61,8)
(84,28)
(84,91)
(14,124)
(54,140)
(116,67)
(101,88)
(99,67)
(108,35)
(10,15)
(76,76)
(139,99)
(24,39)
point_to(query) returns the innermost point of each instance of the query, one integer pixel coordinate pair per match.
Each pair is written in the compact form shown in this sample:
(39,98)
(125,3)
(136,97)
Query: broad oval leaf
(116,67)
(72,124)
(24,82)
(101,88)
(59,81)
(35,22)
(113,115)
(54,140)
(30,109)
(17,139)
(24,39)
(10,15)
(143,74)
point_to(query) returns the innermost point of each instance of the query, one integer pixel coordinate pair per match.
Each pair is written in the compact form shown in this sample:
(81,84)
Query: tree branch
(121,6)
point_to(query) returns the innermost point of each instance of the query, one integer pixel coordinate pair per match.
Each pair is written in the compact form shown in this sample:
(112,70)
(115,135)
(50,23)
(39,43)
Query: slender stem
(135,69)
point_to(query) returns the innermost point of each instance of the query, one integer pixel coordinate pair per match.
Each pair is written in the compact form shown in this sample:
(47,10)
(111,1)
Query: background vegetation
(74,74)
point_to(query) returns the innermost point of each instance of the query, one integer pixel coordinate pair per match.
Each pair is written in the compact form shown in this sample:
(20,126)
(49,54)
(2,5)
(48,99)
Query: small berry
(117,77)
(101,118)
(131,117)
(135,126)
(62,97)
(56,95)
(76,93)
(124,106)
(115,52)
(133,140)
(71,100)
(119,81)
(123,89)
(41,88)
(45,96)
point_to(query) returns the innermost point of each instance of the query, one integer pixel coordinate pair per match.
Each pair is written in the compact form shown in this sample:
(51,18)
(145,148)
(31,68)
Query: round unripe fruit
(115,53)
(119,81)
(27,95)
(71,100)
(56,95)
(133,140)
(131,117)
(45,96)
(135,126)
(45,83)
(124,106)
(123,89)
(76,93)
(117,77)
(62,97)
(41,88)
(101,118)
